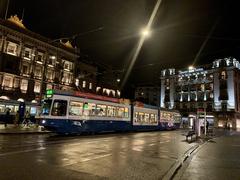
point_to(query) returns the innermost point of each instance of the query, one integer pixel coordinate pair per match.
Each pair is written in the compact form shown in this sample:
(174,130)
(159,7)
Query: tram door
(22,107)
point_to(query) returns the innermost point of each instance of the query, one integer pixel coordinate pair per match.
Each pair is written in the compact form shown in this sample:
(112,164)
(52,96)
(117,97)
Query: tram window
(75,108)
(136,117)
(152,118)
(111,111)
(126,112)
(101,110)
(141,117)
(46,106)
(92,109)
(146,117)
(2,108)
(59,108)
(120,112)
(85,109)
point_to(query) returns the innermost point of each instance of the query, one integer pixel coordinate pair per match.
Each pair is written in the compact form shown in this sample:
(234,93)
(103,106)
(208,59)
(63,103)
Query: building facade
(31,63)
(214,87)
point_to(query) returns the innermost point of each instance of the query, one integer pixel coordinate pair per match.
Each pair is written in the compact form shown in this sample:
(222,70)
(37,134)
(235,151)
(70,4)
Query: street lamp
(146,32)
(190,67)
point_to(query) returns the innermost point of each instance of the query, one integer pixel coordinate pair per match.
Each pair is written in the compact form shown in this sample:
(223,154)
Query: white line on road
(23,151)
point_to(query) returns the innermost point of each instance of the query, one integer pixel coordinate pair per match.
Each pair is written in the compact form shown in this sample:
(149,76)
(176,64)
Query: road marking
(236,145)
(88,159)
(152,144)
(23,151)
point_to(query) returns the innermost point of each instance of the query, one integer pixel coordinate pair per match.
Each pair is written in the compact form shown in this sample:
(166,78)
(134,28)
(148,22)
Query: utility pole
(205,122)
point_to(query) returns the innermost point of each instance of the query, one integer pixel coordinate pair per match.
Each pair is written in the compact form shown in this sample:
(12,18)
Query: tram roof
(51,92)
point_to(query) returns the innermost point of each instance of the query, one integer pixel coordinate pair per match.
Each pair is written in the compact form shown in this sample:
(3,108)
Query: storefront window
(2,108)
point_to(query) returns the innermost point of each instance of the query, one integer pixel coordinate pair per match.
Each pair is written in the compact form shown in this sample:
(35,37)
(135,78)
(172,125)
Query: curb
(30,132)
(179,163)
(176,166)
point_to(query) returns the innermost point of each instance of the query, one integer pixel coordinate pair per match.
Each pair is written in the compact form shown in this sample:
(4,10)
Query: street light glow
(190,67)
(145,32)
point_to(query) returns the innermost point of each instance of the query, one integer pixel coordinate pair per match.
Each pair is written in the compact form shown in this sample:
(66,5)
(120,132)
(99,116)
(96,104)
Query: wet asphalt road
(145,155)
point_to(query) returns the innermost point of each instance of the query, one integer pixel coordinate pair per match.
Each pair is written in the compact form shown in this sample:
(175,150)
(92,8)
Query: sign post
(201,113)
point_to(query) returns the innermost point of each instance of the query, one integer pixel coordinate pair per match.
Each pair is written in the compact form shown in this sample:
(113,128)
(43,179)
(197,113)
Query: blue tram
(76,112)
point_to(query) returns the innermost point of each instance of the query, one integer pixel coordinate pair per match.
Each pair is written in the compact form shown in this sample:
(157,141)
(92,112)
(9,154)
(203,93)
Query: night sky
(179,30)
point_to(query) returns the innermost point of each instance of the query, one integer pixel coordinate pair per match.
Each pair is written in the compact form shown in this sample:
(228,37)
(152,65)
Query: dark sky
(179,29)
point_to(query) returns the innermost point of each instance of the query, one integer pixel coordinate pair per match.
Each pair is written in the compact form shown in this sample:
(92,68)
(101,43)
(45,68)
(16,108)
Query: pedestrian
(207,125)
(17,118)
(27,118)
(7,117)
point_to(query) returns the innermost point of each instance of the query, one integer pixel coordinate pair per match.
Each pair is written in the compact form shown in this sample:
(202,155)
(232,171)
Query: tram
(74,112)
(169,119)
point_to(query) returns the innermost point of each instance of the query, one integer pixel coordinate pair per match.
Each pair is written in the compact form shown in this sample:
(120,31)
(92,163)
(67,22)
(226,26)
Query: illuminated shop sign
(191,70)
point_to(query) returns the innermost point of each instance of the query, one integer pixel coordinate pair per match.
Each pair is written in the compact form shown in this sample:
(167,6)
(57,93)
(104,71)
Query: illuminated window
(16,82)
(49,86)
(101,110)
(12,48)
(84,84)
(120,112)
(66,77)
(8,81)
(49,74)
(146,117)
(77,82)
(111,111)
(75,108)
(37,87)
(40,56)
(223,75)
(90,85)
(38,72)
(27,53)
(24,85)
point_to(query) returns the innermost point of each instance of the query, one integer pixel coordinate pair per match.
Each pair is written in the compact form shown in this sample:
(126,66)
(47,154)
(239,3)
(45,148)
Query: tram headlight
(43,121)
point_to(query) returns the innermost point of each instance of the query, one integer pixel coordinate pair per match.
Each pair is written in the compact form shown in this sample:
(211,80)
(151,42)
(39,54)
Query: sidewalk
(217,159)
(11,129)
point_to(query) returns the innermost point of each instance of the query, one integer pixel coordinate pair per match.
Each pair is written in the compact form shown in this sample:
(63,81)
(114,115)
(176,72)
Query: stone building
(31,63)
(214,87)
